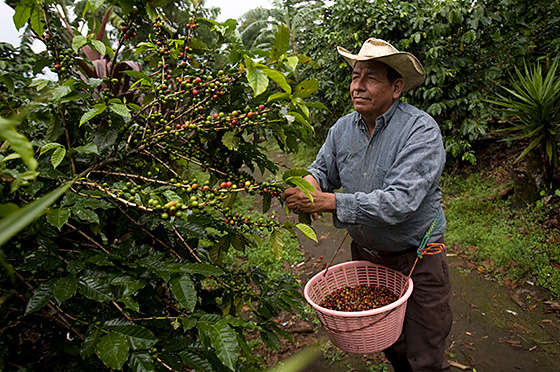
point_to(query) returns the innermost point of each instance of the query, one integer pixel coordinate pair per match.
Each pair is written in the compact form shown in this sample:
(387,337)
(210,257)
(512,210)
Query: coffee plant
(154,125)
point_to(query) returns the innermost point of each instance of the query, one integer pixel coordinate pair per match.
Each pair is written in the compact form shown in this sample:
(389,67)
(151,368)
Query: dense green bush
(466,47)
(155,124)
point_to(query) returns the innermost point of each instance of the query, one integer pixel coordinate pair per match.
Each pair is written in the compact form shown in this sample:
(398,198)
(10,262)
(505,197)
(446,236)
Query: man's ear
(398,86)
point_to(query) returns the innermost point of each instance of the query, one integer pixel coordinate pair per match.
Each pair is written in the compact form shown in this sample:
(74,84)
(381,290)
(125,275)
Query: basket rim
(356,314)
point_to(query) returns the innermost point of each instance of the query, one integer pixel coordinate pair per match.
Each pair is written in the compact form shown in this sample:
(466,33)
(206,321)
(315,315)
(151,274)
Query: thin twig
(185,243)
(88,238)
(150,234)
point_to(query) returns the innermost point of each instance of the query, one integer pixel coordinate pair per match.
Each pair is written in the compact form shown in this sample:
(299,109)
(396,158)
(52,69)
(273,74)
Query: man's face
(371,91)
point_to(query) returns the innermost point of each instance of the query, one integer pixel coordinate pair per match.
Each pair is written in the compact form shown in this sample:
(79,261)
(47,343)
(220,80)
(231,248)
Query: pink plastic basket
(360,332)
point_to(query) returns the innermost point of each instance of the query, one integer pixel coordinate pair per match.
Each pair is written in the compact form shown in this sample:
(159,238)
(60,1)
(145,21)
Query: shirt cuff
(346,207)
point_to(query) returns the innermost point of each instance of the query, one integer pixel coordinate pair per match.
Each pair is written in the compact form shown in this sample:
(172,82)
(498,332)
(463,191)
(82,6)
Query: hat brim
(404,63)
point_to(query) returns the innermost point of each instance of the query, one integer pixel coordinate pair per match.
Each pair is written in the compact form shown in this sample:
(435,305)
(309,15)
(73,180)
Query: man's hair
(392,74)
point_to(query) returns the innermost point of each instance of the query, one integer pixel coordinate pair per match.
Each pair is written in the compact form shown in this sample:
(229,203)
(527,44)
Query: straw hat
(403,62)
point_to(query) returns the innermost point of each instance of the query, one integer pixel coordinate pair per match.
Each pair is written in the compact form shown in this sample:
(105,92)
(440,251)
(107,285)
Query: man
(387,158)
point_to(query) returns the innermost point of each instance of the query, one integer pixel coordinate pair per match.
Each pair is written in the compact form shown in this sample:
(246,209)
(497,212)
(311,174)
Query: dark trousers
(427,323)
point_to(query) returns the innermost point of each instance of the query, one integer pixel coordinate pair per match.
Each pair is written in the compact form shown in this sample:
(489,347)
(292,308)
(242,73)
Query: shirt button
(365,174)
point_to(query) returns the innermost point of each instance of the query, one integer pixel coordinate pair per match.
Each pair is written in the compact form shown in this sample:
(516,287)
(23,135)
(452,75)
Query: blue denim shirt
(390,193)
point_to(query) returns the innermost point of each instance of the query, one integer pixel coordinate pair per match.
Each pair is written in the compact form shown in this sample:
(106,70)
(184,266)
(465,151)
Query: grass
(508,243)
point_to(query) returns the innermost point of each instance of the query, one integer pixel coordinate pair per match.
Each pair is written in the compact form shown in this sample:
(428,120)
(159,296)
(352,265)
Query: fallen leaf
(521,327)
(509,341)
(458,365)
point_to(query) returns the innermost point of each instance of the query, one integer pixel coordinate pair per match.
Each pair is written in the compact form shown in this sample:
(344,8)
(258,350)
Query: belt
(386,254)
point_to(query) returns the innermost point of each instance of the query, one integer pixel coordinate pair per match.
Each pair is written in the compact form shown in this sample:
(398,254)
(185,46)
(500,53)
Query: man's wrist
(327,202)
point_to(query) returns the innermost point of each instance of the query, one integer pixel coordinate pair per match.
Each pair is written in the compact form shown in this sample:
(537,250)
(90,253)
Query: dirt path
(495,328)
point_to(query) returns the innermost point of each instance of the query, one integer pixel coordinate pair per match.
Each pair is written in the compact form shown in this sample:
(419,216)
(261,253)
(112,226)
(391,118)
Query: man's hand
(299,203)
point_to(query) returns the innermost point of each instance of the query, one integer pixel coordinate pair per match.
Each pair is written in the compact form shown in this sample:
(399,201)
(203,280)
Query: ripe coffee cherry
(261,107)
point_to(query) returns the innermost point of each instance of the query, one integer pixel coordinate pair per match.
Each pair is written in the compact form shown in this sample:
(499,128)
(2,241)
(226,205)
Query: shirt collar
(382,120)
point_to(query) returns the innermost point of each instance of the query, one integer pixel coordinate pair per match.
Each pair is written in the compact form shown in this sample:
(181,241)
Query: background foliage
(466,47)
(157,121)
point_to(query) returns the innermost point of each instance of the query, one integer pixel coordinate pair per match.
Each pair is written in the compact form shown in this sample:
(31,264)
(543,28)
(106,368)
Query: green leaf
(95,289)
(306,88)
(85,214)
(113,350)
(17,221)
(58,217)
(91,338)
(278,97)
(49,146)
(296,172)
(300,119)
(277,243)
(230,140)
(279,78)
(258,81)
(21,15)
(36,21)
(172,196)
(303,184)
(307,231)
(90,148)
(141,362)
(184,291)
(18,142)
(99,46)
(195,361)
(8,82)
(202,269)
(281,42)
(292,62)
(41,296)
(78,41)
(317,105)
(271,339)
(267,200)
(64,288)
(121,110)
(96,110)
(130,284)
(58,156)
(138,336)
(223,340)
(130,303)
(61,91)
